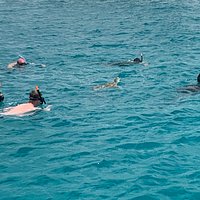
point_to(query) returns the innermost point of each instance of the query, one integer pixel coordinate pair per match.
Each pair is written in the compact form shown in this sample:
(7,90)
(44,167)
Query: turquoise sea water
(137,142)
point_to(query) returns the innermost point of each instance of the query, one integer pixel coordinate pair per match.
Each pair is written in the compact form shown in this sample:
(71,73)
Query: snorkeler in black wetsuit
(191,88)
(137,60)
(1,97)
(130,62)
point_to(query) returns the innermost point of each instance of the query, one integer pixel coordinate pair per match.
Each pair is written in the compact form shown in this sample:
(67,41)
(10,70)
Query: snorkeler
(131,62)
(108,85)
(1,95)
(191,88)
(35,99)
(19,63)
(137,60)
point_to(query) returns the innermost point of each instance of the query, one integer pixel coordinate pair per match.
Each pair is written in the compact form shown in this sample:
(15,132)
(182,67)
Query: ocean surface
(140,141)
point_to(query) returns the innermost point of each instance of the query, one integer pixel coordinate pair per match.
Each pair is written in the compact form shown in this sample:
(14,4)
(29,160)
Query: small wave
(23,151)
(48,108)
(37,64)
(144,145)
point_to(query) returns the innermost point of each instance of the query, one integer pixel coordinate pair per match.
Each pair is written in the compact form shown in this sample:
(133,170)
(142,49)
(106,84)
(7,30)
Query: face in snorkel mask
(36,95)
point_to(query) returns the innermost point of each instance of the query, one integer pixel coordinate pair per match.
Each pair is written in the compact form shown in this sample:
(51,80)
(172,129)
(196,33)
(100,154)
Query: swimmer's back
(20,109)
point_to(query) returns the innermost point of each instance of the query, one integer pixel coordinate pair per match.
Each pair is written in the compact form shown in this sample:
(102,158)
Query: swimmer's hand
(12,65)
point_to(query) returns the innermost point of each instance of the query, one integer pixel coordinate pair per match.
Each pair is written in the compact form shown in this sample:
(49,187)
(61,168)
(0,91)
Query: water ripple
(139,141)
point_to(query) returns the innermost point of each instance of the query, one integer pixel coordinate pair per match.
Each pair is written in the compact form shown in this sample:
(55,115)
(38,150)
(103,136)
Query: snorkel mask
(37,96)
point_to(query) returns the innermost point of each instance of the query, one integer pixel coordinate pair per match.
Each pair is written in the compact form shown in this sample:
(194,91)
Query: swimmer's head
(1,97)
(34,97)
(198,78)
(137,60)
(21,61)
(116,80)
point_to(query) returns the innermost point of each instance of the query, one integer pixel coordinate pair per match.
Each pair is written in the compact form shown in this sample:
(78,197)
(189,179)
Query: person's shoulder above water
(19,63)
(191,88)
(35,99)
(20,109)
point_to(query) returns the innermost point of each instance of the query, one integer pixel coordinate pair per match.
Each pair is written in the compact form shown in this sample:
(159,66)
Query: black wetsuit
(129,62)
(1,97)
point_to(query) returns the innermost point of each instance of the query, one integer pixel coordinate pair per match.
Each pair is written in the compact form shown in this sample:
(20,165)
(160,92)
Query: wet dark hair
(1,97)
(198,78)
(34,96)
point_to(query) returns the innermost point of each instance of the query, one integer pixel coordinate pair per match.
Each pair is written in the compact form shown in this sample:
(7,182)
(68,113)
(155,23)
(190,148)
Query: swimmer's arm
(97,87)
(11,65)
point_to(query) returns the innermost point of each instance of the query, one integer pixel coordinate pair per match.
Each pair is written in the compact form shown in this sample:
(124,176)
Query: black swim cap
(137,60)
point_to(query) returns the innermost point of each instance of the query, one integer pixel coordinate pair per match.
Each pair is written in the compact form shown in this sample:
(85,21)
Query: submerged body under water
(130,62)
(136,142)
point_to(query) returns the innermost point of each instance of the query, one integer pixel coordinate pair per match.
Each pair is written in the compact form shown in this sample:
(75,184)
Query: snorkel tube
(40,95)
(141,57)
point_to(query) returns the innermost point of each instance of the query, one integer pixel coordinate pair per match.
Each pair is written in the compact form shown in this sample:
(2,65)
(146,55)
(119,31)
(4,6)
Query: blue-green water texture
(140,141)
